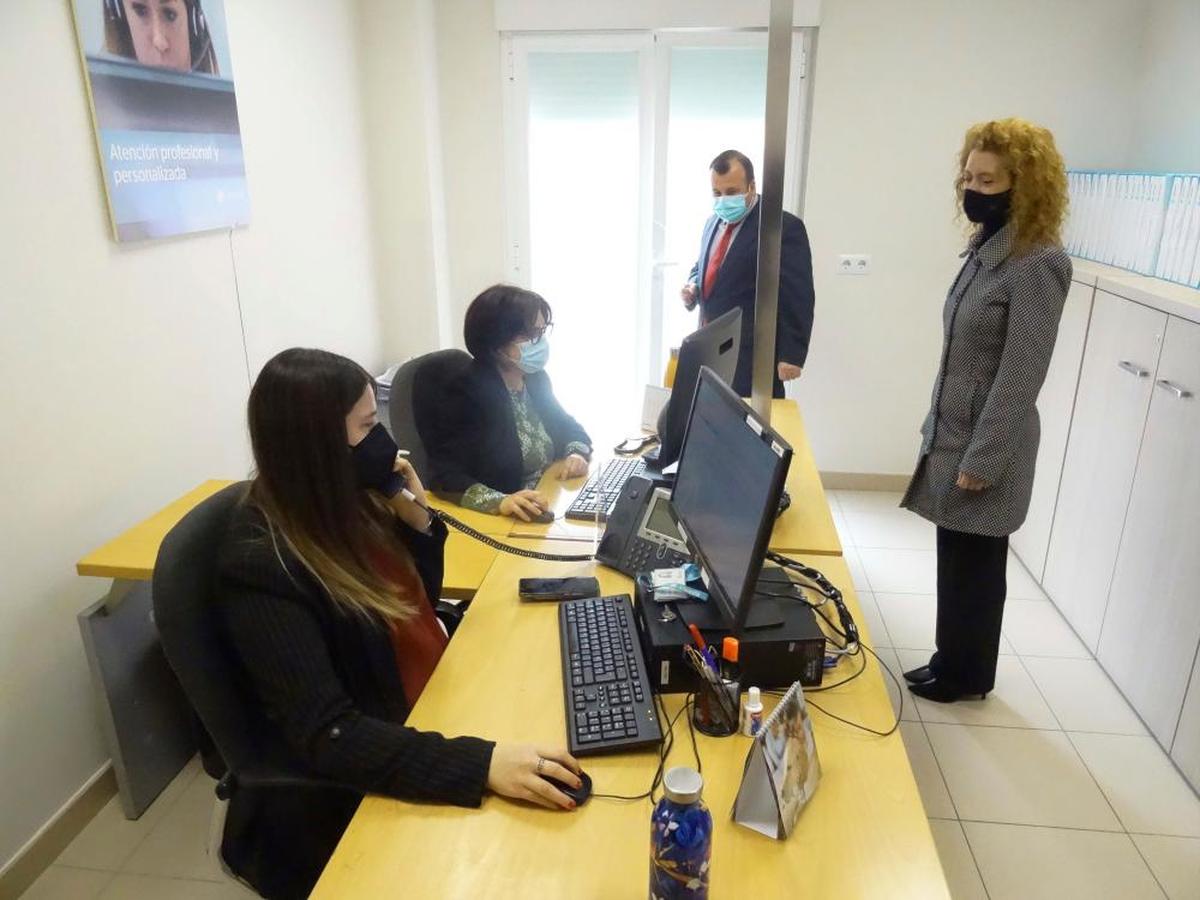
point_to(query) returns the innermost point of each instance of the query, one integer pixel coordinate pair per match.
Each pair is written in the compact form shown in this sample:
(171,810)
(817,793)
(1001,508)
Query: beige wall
(896,85)
(399,94)
(124,381)
(469,67)
(1166,136)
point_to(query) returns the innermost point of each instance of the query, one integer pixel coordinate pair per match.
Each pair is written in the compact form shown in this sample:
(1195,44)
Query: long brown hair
(306,488)
(1039,177)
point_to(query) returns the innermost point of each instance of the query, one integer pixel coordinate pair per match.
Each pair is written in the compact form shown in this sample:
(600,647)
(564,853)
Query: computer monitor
(716,346)
(730,478)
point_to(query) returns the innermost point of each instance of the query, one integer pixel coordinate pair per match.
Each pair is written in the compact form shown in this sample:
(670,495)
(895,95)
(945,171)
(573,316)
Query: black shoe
(942,692)
(919,675)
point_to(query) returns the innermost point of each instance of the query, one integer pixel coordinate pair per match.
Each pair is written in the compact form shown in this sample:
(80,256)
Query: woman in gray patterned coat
(979,441)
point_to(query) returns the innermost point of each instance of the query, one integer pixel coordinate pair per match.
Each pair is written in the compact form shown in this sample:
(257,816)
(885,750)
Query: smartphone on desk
(557,588)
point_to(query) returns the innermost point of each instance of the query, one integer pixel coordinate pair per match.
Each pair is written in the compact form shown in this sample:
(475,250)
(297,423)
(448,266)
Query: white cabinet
(1055,406)
(1152,626)
(1186,749)
(1115,384)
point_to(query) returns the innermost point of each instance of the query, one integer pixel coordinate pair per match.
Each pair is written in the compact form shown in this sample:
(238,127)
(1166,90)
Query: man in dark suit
(725,275)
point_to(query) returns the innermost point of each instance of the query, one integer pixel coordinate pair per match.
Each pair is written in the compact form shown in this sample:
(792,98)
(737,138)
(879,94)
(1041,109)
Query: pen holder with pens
(713,715)
(715,712)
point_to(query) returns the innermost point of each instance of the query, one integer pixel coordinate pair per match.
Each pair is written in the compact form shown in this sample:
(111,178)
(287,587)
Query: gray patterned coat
(999,325)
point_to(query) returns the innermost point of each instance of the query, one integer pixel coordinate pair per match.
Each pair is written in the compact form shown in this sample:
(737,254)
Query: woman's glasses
(535,335)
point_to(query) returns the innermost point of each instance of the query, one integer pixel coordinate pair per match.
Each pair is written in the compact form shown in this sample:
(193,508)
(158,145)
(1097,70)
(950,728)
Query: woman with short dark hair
(491,427)
(327,579)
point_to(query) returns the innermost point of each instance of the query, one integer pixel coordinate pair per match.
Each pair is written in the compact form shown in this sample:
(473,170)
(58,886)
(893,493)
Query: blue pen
(711,659)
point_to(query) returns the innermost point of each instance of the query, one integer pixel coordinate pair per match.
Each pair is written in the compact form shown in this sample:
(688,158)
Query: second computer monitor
(715,346)
(731,473)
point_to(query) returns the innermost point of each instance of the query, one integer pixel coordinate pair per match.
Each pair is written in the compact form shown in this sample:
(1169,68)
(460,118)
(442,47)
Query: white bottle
(752,713)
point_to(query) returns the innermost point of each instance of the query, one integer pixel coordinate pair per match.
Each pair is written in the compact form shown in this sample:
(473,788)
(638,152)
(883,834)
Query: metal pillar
(770,217)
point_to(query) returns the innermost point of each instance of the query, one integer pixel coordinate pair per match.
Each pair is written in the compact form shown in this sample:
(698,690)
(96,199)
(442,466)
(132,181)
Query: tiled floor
(161,856)
(1050,788)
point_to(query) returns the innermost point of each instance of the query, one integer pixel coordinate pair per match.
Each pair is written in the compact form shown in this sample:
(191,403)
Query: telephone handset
(642,532)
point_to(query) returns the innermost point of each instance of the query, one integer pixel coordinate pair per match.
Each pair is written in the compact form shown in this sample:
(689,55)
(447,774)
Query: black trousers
(971,587)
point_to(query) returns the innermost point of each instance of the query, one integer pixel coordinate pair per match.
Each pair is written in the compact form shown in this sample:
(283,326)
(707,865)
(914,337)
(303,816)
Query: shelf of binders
(1145,222)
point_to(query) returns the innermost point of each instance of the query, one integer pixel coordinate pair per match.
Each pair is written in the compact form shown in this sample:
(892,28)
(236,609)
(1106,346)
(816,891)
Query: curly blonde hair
(1039,178)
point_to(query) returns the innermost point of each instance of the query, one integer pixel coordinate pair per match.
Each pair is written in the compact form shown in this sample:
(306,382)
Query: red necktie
(715,260)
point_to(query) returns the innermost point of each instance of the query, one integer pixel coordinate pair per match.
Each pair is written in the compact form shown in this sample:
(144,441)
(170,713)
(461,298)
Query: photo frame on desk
(782,770)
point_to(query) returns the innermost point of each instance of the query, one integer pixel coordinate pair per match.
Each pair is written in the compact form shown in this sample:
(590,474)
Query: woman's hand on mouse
(514,773)
(524,505)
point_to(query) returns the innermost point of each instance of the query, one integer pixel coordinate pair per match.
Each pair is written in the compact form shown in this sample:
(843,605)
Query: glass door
(609,138)
(579,208)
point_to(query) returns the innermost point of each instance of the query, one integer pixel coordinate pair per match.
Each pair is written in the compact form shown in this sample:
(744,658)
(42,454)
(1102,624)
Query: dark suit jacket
(735,287)
(465,418)
(332,705)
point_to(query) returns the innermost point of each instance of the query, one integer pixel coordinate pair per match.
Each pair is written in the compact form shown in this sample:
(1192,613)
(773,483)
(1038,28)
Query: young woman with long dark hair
(327,579)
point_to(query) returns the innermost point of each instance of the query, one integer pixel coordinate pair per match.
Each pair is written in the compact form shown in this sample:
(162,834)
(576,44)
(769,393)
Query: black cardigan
(332,702)
(464,415)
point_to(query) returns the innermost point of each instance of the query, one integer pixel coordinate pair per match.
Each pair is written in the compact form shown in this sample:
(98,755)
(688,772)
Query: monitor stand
(765,612)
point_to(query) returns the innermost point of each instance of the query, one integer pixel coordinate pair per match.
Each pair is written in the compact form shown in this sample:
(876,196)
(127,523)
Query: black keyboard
(602,489)
(607,692)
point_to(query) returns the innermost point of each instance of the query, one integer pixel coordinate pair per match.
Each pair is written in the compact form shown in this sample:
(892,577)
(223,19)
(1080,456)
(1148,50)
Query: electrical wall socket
(854,264)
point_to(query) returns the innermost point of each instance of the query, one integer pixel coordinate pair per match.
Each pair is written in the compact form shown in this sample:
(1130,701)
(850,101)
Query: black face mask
(988,210)
(374,457)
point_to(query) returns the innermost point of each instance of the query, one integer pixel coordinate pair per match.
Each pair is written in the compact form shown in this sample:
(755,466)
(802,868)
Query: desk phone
(642,532)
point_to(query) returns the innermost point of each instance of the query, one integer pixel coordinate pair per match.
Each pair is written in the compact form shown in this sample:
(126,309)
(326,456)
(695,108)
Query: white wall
(1167,124)
(398,68)
(469,67)
(431,75)
(896,86)
(124,382)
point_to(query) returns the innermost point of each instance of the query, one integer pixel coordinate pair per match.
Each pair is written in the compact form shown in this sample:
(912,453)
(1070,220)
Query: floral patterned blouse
(537,452)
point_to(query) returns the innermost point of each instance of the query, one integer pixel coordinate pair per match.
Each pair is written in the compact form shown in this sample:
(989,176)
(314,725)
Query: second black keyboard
(606,689)
(599,494)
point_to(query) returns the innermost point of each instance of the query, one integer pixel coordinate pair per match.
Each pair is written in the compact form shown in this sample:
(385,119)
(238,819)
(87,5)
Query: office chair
(400,406)
(183,588)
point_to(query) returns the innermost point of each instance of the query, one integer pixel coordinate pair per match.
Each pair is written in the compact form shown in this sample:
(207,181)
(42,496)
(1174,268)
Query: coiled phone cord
(491,541)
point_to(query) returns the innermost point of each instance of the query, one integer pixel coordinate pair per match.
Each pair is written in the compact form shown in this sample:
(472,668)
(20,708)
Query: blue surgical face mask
(731,208)
(534,355)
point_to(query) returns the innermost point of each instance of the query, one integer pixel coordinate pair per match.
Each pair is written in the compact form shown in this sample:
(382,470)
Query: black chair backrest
(400,401)
(184,587)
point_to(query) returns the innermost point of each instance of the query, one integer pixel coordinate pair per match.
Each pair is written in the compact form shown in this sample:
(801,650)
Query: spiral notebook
(782,770)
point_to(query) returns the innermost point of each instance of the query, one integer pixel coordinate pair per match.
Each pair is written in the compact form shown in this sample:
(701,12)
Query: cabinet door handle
(1180,393)
(1133,369)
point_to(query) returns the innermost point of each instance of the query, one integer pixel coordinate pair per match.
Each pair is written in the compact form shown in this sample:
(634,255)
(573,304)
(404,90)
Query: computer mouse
(546,516)
(579,794)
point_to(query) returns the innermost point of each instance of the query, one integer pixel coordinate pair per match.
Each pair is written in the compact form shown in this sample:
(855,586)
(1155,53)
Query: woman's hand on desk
(514,773)
(524,505)
(574,466)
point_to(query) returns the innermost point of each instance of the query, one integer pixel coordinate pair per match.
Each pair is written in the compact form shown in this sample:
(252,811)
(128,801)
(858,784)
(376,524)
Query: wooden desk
(806,527)
(131,555)
(865,833)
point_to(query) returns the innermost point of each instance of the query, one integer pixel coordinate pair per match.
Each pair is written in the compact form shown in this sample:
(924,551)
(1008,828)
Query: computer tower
(771,657)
